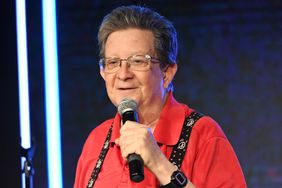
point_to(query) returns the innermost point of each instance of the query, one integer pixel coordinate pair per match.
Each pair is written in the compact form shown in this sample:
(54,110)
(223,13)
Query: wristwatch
(178,180)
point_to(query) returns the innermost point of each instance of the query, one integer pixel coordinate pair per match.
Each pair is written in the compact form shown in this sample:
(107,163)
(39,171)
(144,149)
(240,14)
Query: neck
(150,114)
(152,125)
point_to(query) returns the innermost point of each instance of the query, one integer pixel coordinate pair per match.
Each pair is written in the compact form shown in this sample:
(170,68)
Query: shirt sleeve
(216,165)
(78,174)
(213,160)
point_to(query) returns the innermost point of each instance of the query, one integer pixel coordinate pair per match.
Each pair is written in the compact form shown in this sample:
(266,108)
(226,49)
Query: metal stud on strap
(180,148)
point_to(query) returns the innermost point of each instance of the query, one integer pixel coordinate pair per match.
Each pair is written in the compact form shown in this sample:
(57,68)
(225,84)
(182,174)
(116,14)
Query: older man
(138,50)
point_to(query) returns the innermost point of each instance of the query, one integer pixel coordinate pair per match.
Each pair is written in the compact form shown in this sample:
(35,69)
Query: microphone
(128,111)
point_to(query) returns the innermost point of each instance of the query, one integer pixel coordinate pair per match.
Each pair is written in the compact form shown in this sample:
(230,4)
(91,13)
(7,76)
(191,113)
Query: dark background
(229,68)
(9,115)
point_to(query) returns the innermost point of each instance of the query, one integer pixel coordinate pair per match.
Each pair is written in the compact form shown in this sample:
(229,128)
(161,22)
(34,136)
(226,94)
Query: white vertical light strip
(23,79)
(52,94)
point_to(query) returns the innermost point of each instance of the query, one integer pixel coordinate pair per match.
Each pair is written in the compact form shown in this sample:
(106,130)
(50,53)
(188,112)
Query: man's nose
(124,70)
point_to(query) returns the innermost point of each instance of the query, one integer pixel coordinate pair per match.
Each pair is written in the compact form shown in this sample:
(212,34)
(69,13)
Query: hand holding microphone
(128,111)
(138,139)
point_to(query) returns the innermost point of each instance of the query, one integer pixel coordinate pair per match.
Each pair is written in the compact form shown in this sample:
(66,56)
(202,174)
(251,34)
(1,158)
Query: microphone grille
(127,104)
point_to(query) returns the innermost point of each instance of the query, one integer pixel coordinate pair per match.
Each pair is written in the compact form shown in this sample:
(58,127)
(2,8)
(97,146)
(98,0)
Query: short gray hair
(139,17)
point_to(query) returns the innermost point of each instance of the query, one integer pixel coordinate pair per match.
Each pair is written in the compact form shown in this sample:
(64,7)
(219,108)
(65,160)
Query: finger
(129,125)
(133,138)
(134,130)
(117,141)
(126,151)
(134,144)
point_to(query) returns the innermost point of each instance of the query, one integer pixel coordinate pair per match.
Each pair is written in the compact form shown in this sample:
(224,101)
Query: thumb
(117,141)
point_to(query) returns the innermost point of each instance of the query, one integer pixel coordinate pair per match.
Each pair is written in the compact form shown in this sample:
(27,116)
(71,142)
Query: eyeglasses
(134,62)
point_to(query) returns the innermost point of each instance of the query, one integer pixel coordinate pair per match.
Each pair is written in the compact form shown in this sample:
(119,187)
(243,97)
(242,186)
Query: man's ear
(169,73)
(102,73)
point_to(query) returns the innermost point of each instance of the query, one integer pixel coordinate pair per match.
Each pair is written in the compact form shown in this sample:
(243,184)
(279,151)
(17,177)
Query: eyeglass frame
(149,60)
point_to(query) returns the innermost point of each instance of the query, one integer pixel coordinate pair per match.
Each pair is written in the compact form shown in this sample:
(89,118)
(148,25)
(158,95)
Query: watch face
(179,178)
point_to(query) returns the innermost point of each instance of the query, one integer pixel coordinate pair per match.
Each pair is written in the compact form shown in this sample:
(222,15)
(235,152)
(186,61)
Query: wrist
(163,170)
(178,180)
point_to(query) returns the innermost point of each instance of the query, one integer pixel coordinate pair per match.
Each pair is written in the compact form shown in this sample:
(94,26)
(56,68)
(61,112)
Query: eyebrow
(132,54)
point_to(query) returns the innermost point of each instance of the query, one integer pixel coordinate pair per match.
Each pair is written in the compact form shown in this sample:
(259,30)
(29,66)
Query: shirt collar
(116,128)
(169,126)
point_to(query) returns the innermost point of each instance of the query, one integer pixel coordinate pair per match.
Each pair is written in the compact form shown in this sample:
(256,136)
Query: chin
(124,94)
(120,98)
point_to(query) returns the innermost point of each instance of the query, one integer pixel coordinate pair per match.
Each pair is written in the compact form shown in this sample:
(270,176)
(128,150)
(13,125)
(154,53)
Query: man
(138,50)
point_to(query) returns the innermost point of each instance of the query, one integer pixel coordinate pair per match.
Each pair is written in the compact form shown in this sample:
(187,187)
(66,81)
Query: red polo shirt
(209,160)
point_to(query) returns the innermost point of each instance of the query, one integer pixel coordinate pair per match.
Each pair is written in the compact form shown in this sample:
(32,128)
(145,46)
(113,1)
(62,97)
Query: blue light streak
(52,94)
(23,79)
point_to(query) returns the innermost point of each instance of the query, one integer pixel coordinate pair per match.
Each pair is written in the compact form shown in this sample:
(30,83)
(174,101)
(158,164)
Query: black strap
(180,148)
(176,156)
(101,159)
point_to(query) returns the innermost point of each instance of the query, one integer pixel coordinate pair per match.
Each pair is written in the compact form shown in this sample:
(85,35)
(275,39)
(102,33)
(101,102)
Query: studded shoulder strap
(180,148)
(100,160)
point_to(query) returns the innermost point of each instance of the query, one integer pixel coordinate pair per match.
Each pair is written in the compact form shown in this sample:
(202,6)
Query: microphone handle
(135,162)
(136,167)
(129,115)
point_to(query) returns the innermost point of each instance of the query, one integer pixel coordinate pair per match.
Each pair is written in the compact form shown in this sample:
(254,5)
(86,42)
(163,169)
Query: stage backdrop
(229,68)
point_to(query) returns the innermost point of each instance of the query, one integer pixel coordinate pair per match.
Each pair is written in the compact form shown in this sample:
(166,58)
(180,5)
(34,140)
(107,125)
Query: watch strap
(170,185)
